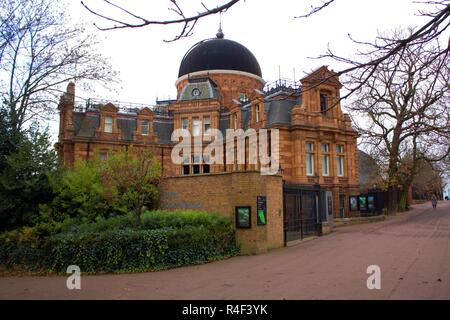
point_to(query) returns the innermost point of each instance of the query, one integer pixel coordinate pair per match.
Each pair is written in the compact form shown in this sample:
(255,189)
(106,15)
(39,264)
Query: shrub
(79,193)
(132,181)
(162,240)
(126,182)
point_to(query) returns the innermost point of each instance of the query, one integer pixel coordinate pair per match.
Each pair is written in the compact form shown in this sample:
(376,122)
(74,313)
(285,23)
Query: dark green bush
(26,163)
(162,240)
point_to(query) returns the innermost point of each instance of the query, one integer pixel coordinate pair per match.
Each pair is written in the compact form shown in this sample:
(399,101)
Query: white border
(217,71)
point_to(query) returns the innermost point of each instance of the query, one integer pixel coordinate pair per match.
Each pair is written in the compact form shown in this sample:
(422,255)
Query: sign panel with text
(261,210)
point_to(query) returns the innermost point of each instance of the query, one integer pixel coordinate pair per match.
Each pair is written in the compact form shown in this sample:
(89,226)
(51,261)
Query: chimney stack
(66,106)
(71,91)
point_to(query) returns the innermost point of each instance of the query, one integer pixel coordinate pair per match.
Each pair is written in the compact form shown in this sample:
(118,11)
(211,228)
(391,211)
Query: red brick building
(220,86)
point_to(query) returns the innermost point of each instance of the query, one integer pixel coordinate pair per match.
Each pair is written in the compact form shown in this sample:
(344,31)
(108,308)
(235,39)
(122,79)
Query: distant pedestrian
(434,201)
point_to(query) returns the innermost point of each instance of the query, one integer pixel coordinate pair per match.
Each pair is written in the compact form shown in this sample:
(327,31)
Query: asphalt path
(412,252)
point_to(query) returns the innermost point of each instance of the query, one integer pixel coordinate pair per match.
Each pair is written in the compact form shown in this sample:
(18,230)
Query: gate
(301,213)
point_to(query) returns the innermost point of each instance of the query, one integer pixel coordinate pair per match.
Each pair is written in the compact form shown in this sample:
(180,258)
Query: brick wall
(221,193)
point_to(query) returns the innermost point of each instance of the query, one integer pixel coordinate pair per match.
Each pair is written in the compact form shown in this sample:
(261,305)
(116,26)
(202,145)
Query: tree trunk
(403,203)
(393,171)
(392,199)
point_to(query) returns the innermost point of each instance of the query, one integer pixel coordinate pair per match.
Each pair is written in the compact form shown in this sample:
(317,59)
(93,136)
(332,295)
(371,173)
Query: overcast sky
(149,67)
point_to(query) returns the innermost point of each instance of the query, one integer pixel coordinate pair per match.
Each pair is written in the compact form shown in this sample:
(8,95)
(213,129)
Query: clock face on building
(196,92)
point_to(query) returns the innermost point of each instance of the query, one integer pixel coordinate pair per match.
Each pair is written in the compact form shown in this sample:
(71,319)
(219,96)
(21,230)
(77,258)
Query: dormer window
(109,124)
(144,127)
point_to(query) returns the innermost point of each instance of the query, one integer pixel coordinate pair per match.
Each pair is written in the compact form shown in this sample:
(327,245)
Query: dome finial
(220,34)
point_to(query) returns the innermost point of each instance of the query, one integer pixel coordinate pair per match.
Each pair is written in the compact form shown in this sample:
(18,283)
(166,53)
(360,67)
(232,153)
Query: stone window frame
(326,94)
(108,111)
(257,113)
(147,125)
(106,124)
(144,115)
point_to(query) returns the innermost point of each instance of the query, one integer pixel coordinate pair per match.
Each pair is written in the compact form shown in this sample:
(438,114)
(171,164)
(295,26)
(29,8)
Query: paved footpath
(413,252)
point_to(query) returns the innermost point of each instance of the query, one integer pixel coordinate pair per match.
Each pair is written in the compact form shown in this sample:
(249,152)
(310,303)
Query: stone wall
(222,192)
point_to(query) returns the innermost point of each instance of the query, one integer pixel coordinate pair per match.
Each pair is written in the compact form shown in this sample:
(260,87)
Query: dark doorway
(301,213)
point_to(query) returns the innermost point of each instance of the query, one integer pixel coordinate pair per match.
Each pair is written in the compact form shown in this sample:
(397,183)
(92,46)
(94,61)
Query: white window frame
(145,124)
(325,159)
(325,165)
(340,166)
(309,146)
(196,125)
(108,126)
(340,160)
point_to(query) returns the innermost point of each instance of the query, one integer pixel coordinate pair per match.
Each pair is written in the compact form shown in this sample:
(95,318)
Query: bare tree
(40,51)
(428,180)
(437,24)
(316,8)
(402,105)
(188,22)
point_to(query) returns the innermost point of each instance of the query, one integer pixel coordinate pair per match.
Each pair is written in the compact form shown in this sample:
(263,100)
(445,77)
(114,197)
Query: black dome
(219,54)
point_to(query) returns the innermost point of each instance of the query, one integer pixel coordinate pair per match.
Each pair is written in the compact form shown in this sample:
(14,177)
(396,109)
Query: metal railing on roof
(283,85)
(93,104)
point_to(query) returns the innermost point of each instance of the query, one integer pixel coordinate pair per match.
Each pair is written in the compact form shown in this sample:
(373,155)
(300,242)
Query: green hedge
(115,245)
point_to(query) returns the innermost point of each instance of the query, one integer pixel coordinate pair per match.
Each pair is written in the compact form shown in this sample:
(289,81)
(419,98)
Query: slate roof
(85,124)
(207,91)
(127,127)
(163,130)
(279,112)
